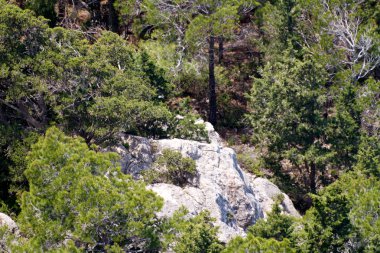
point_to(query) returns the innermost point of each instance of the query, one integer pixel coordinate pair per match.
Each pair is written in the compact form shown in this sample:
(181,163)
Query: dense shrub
(78,195)
(172,167)
(250,163)
(196,234)
(187,128)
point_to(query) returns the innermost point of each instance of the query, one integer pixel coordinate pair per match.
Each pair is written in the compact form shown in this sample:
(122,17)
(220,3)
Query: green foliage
(250,163)
(4,207)
(195,234)
(23,39)
(274,234)
(277,22)
(344,216)
(186,124)
(130,16)
(4,235)
(326,226)
(171,167)
(323,33)
(22,34)
(6,136)
(311,136)
(14,145)
(188,74)
(113,93)
(12,243)
(277,226)
(215,18)
(361,186)
(313,109)
(369,156)
(231,113)
(156,77)
(192,25)
(82,195)
(16,153)
(254,244)
(335,89)
(93,90)
(188,128)
(43,8)
(364,213)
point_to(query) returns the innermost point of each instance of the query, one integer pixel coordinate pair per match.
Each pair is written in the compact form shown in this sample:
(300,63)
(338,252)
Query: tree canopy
(292,85)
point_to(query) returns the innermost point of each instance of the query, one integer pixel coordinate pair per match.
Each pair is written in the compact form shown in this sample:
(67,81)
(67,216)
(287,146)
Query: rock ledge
(235,199)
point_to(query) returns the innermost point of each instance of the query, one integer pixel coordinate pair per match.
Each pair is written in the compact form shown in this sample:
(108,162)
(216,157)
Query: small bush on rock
(195,234)
(172,167)
(250,164)
(187,128)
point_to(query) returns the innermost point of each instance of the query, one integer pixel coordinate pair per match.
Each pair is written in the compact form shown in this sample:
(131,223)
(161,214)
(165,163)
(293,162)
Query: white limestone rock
(235,199)
(7,221)
(222,188)
(136,154)
(266,193)
(212,134)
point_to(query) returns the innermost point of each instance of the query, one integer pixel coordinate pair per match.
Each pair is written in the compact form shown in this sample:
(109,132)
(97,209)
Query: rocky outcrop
(136,153)
(7,221)
(267,193)
(222,188)
(236,200)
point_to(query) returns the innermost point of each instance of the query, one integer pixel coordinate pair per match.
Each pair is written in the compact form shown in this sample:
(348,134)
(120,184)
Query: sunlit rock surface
(236,200)
(7,221)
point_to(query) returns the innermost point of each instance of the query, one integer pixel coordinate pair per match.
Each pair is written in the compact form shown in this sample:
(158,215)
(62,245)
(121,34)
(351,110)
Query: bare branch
(358,48)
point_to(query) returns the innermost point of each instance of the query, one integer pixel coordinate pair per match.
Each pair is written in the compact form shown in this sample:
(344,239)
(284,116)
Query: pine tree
(80,195)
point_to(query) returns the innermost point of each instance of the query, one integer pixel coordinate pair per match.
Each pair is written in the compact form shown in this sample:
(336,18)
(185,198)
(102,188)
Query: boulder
(266,193)
(235,199)
(7,221)
(222,188)
(136,154)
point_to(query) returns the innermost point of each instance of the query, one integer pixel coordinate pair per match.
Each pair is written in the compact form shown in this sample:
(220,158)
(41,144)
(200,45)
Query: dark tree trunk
(24,111)
(290,20)
(95,9)
(312,178)
(221,49)
(61,10)
(113,23)
(211,81)
(146,30)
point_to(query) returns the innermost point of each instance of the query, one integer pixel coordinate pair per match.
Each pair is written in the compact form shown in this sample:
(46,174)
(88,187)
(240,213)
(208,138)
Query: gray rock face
(7,221)
(222,189)
(266,193)
(137,154)
(11,228)
(235,199)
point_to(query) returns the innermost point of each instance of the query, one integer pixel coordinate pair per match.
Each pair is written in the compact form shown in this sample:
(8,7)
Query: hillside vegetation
(292,85)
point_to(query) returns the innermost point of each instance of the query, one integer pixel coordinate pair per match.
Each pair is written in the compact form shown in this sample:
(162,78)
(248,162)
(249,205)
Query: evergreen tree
(94,90)
(22,42)
(197,23)
(287,116)
(214,19)
(254,244)
(196,234)
(79,195)
(277,225)
(345,215)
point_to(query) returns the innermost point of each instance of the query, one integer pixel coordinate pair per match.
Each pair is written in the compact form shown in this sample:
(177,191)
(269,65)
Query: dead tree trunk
(113,23)
(312,178)
(221,49)
(212,82)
